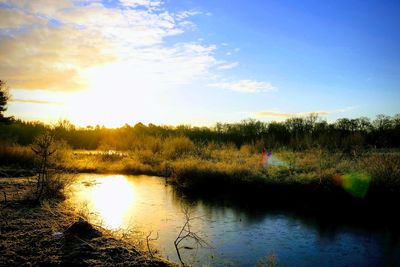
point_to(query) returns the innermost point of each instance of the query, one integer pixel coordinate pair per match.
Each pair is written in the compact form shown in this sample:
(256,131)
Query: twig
(87,243)
(147,242)
(186,232)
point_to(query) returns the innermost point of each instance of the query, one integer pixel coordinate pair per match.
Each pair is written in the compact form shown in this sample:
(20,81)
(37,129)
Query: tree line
(293,133)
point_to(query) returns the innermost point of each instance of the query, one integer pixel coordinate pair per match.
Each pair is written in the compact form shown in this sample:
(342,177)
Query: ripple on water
(239,236)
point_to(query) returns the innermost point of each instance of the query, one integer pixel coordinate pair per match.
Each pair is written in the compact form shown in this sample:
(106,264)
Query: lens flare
(267,159)
(355,183)
(275,161)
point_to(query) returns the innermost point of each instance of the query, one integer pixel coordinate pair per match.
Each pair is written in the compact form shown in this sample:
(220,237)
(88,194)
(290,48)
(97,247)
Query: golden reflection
(119,202)
(112,200)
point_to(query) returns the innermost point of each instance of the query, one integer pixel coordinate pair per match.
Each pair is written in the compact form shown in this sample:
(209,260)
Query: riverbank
(50,234)
(314,175)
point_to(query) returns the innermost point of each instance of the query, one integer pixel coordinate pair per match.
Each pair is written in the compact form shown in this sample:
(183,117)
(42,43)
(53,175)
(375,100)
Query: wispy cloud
(107,53)
(35,101)
(278,114)
(227,66)
(186,14)
(144,3)
(60,42)
(59,46)
(247,86)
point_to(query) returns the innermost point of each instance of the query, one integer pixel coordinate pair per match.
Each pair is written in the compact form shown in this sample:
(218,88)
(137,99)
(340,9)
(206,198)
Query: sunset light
(116,62)
(199,133)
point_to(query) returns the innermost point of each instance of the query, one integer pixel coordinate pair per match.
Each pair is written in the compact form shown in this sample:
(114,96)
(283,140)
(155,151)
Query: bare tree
(187,232)
(43,148)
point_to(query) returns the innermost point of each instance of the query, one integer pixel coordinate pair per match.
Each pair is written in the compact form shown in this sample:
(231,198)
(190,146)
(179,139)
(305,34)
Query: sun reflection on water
(112,199)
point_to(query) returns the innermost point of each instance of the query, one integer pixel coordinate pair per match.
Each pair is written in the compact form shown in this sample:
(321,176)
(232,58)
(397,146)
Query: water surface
(237,235)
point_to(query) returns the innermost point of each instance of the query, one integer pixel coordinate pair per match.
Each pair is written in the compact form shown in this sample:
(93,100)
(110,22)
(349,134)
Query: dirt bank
(45,234)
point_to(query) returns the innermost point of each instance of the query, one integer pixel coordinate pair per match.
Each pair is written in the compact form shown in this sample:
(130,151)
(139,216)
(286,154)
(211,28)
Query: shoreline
(113,251)
(213,182)
(51,234)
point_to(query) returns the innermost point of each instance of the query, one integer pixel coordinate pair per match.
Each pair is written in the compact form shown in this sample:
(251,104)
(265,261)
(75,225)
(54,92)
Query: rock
(82,228)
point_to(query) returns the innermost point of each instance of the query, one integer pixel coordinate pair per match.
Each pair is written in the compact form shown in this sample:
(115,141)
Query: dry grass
(12,154)
(189,164)
(32,234)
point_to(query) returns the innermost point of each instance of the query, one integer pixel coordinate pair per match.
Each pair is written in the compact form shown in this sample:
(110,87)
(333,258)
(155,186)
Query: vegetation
(307,152)
(4,97)
(293,134)
(51,234)
(339,164)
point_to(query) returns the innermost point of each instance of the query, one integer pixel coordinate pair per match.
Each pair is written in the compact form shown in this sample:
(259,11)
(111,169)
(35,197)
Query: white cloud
(280,114)
(69,45)
(227,66)
(144,3)
(186,14)
(88,36)
(248,86)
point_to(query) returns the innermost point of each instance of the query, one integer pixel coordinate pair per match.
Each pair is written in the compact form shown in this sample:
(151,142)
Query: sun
(115,96)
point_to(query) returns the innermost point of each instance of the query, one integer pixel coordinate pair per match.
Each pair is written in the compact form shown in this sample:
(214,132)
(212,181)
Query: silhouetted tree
(44,148)
(4,97)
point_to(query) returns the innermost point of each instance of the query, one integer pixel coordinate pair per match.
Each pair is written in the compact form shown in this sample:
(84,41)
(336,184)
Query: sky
(176,62)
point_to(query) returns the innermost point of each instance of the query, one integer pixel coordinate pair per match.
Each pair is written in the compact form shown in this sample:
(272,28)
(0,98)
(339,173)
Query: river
(233,235)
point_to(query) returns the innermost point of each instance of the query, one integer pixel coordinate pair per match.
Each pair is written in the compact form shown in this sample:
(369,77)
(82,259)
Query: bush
(384,169)
(177,147)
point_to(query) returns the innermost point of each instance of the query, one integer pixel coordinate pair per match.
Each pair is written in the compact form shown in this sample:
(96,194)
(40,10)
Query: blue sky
(200,62)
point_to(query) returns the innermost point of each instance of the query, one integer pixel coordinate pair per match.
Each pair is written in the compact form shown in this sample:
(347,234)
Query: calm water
(237,236)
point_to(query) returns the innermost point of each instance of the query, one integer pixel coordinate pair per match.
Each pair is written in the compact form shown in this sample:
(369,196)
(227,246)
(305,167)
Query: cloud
(186,14)
(53,59)
(144,3)
(47,8)
(248,86)
(34,101)
(48,45)
(70,45)
(277,114)
(11,19)
(228,66)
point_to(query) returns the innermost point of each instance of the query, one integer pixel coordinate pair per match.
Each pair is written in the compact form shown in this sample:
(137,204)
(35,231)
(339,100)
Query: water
(236,235)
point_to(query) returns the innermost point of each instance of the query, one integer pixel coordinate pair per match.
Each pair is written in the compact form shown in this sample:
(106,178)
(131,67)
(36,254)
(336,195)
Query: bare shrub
(176,147)
(49,182)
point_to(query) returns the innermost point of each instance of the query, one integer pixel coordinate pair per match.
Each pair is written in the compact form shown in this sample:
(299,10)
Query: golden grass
(189,164)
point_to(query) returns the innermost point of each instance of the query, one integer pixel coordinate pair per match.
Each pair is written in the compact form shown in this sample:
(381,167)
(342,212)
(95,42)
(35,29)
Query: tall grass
(384,169)
(191,165)
(13,154)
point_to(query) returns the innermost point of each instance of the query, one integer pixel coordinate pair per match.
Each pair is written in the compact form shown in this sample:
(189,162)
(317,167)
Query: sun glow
(112,199)
(115,96)
(118,202)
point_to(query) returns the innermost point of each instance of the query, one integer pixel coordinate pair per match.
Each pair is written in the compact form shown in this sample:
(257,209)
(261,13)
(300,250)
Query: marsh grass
(384,169)
(191,165)
(16,155)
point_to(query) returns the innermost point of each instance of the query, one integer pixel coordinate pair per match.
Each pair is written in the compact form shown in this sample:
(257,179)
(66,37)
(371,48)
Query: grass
(224,167)
(51,234)
(318,177)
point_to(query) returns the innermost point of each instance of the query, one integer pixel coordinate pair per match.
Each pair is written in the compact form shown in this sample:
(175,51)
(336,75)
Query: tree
(44,148)
(4,97)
